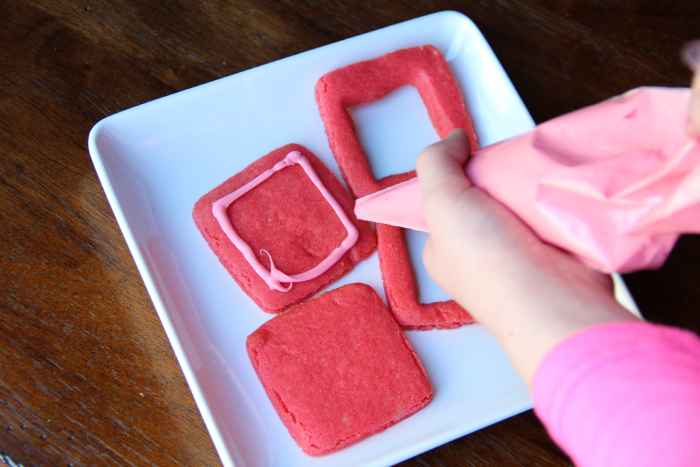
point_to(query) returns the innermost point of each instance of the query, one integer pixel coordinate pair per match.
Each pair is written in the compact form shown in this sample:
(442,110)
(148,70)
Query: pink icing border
(274,277)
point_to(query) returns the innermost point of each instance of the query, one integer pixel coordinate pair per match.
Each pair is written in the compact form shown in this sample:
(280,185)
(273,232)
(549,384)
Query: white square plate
(157,159)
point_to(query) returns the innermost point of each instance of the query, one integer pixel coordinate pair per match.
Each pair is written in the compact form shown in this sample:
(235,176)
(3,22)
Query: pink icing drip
(275,277)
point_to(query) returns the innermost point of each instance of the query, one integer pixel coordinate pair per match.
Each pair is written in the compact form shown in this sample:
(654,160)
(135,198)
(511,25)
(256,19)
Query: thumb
(440,169)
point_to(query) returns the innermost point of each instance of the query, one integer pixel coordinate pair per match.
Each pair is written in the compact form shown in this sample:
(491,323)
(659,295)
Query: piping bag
(614,184)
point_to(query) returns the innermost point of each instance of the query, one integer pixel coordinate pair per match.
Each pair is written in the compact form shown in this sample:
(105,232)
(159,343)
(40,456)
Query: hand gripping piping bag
(615,184)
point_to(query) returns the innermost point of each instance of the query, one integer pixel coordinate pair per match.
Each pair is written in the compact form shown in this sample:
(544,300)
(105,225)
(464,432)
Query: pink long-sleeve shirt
(623,394)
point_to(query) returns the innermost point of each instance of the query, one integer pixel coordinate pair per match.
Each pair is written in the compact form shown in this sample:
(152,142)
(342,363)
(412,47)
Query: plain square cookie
(338,368)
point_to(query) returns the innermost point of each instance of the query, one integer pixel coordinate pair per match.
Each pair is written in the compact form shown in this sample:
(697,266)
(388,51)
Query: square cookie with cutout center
(360,83)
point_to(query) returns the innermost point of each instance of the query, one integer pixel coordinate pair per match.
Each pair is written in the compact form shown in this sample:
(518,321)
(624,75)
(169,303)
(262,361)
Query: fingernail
(691,55)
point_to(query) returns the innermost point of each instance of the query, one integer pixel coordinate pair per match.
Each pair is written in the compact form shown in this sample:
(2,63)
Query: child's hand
(528,294)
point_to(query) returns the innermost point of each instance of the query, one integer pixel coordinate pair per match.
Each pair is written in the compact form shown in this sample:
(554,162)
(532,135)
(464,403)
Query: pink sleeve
(623,394)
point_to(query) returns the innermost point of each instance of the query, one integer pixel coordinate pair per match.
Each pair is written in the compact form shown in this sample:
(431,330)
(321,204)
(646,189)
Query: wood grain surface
(87,375)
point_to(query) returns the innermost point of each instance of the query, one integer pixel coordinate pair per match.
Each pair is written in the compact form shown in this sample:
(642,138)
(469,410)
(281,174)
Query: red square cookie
(338,369)
(364,82)
(286,219)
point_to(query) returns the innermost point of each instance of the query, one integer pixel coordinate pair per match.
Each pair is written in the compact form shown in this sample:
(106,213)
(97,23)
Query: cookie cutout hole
(393,130)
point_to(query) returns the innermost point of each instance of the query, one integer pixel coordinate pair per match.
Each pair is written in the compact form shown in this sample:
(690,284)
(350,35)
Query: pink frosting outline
(275,277)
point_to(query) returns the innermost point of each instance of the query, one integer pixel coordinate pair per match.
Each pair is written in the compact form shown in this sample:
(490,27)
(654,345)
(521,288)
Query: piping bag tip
(400,205)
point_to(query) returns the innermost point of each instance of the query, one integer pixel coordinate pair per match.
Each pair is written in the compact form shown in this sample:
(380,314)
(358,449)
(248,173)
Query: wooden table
(87,375)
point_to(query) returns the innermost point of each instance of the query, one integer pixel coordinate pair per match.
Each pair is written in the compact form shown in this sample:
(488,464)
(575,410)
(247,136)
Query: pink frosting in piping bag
(275,277)
(615,183)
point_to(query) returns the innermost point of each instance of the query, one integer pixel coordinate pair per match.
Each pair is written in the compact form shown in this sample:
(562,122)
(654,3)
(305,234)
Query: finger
(440,167)
(429,256)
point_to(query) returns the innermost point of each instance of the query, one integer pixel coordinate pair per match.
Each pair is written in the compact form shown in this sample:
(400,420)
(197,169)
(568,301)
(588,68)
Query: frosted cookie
(368,81)
(284,228)
(338,369)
